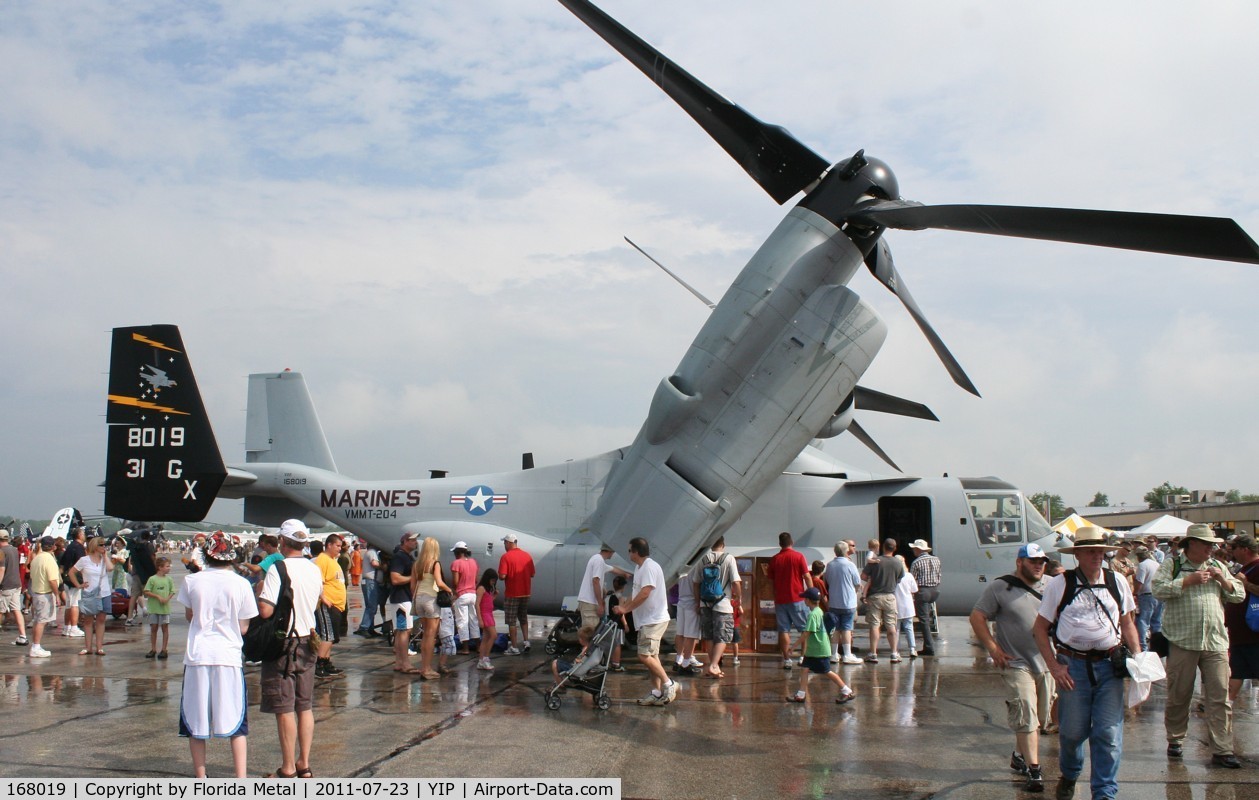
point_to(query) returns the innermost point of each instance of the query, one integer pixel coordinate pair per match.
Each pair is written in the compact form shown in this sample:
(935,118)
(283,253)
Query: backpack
(711,589)
(1075,585)
(1015,582)
(265,639)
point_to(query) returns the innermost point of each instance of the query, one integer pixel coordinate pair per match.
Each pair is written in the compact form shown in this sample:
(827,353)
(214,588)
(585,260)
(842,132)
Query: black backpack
(1075,585)
(266,638)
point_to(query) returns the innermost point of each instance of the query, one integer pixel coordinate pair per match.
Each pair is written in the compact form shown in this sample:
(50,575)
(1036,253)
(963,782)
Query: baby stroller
(563,633)
(591,674)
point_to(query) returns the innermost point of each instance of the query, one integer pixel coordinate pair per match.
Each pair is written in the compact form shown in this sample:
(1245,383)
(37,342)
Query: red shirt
(790,572)
(516,570)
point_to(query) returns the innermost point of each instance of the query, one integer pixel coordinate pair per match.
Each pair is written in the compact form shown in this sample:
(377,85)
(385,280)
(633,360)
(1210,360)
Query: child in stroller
(588,672)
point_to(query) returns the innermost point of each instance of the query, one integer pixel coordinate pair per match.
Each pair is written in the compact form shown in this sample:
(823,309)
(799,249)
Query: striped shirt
(1193,618)
(926,570)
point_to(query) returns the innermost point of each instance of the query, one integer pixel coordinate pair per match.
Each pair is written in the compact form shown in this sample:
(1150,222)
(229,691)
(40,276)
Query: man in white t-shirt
(1077,642)
(594,586)
(649,604)
(218,605)
(288,682)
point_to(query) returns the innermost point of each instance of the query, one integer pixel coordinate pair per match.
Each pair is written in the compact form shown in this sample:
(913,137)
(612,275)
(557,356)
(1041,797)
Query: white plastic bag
(1144,669)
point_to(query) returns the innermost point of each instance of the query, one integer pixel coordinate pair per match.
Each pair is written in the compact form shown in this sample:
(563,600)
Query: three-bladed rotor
(862,197)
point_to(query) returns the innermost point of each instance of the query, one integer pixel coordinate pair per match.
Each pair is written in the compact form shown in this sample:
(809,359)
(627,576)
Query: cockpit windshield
(998,516)
(1037,527)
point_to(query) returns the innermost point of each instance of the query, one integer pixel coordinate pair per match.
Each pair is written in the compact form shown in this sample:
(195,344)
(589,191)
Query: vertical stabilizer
(162,461)
(281,425)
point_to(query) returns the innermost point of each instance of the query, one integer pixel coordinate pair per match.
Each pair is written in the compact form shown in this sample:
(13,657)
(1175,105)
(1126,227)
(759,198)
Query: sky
(421,207)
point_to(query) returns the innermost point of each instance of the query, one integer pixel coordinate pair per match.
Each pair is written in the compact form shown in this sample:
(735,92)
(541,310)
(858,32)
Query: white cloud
(421,207)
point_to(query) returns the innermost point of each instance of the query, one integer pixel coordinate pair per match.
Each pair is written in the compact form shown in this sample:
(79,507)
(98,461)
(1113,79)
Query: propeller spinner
(862,197)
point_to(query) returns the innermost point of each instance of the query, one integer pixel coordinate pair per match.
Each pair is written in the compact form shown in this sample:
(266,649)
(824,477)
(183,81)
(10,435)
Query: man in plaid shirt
(926,570)
(1195,588)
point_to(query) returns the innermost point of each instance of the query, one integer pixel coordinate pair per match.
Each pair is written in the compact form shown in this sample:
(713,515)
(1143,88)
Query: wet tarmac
(930,727)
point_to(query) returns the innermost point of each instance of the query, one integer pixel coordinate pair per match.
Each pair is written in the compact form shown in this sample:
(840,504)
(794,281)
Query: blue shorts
(791,616)
(845,618)
(818,665)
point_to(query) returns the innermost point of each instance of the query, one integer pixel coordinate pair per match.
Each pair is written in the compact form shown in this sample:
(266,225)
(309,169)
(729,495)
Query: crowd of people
(1058,637)
(1065,641)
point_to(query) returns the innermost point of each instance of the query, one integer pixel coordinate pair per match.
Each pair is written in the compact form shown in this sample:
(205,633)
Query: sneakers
(361,632)
(671,692)
(525,649)
(39,652)
(735,661)
(151,654)
(896,658)
(1174,750)
(798,697)
(652,699)
(325,669)
(1065,790)
(788,663)
(484,663)
(872,659)
(514,651)
(20,641)
(845,697)
(616,667)
(75,632)
(1018,763)
(1035,779)
(835,658)
(851,659)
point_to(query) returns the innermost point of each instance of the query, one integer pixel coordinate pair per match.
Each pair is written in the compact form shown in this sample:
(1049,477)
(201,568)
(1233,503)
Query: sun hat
(1088,537)
(919,544)
(1202,533)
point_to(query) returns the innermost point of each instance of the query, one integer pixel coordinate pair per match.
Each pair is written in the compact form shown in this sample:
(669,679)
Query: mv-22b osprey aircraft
(725,448)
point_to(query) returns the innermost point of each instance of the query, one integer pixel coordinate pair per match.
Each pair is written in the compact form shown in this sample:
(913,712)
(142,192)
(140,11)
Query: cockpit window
(998,516)
(1037,527)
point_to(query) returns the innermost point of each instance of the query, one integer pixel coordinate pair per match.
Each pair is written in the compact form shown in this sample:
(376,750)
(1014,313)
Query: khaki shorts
(649,637)
(10,600)
(1028,698)
(43,608)
(589,614)
(881,610)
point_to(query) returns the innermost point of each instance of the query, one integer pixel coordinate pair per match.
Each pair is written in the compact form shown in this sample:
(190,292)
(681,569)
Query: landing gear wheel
(552,702)
(551,648)
(603,702)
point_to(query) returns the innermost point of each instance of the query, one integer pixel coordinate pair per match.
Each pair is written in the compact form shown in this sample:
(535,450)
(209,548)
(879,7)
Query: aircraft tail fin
(281,424)
(162,461)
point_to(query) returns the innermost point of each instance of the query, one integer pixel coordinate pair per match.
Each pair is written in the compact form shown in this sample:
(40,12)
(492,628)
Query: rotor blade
(880,263)
(870,400)
(770,154)
(1175,234)
(864,438)
(671,274)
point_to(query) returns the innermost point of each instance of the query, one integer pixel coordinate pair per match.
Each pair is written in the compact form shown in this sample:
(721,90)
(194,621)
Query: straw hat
(1088,537)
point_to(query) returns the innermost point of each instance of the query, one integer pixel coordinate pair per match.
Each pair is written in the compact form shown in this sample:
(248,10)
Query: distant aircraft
(724,448)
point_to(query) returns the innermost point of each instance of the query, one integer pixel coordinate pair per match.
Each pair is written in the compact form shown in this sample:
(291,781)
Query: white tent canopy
(1166,525)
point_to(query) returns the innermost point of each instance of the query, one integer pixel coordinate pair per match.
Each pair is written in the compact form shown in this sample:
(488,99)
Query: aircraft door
(905,519)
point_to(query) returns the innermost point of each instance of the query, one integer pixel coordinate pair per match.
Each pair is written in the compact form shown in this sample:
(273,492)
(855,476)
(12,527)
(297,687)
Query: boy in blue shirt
(817,652)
